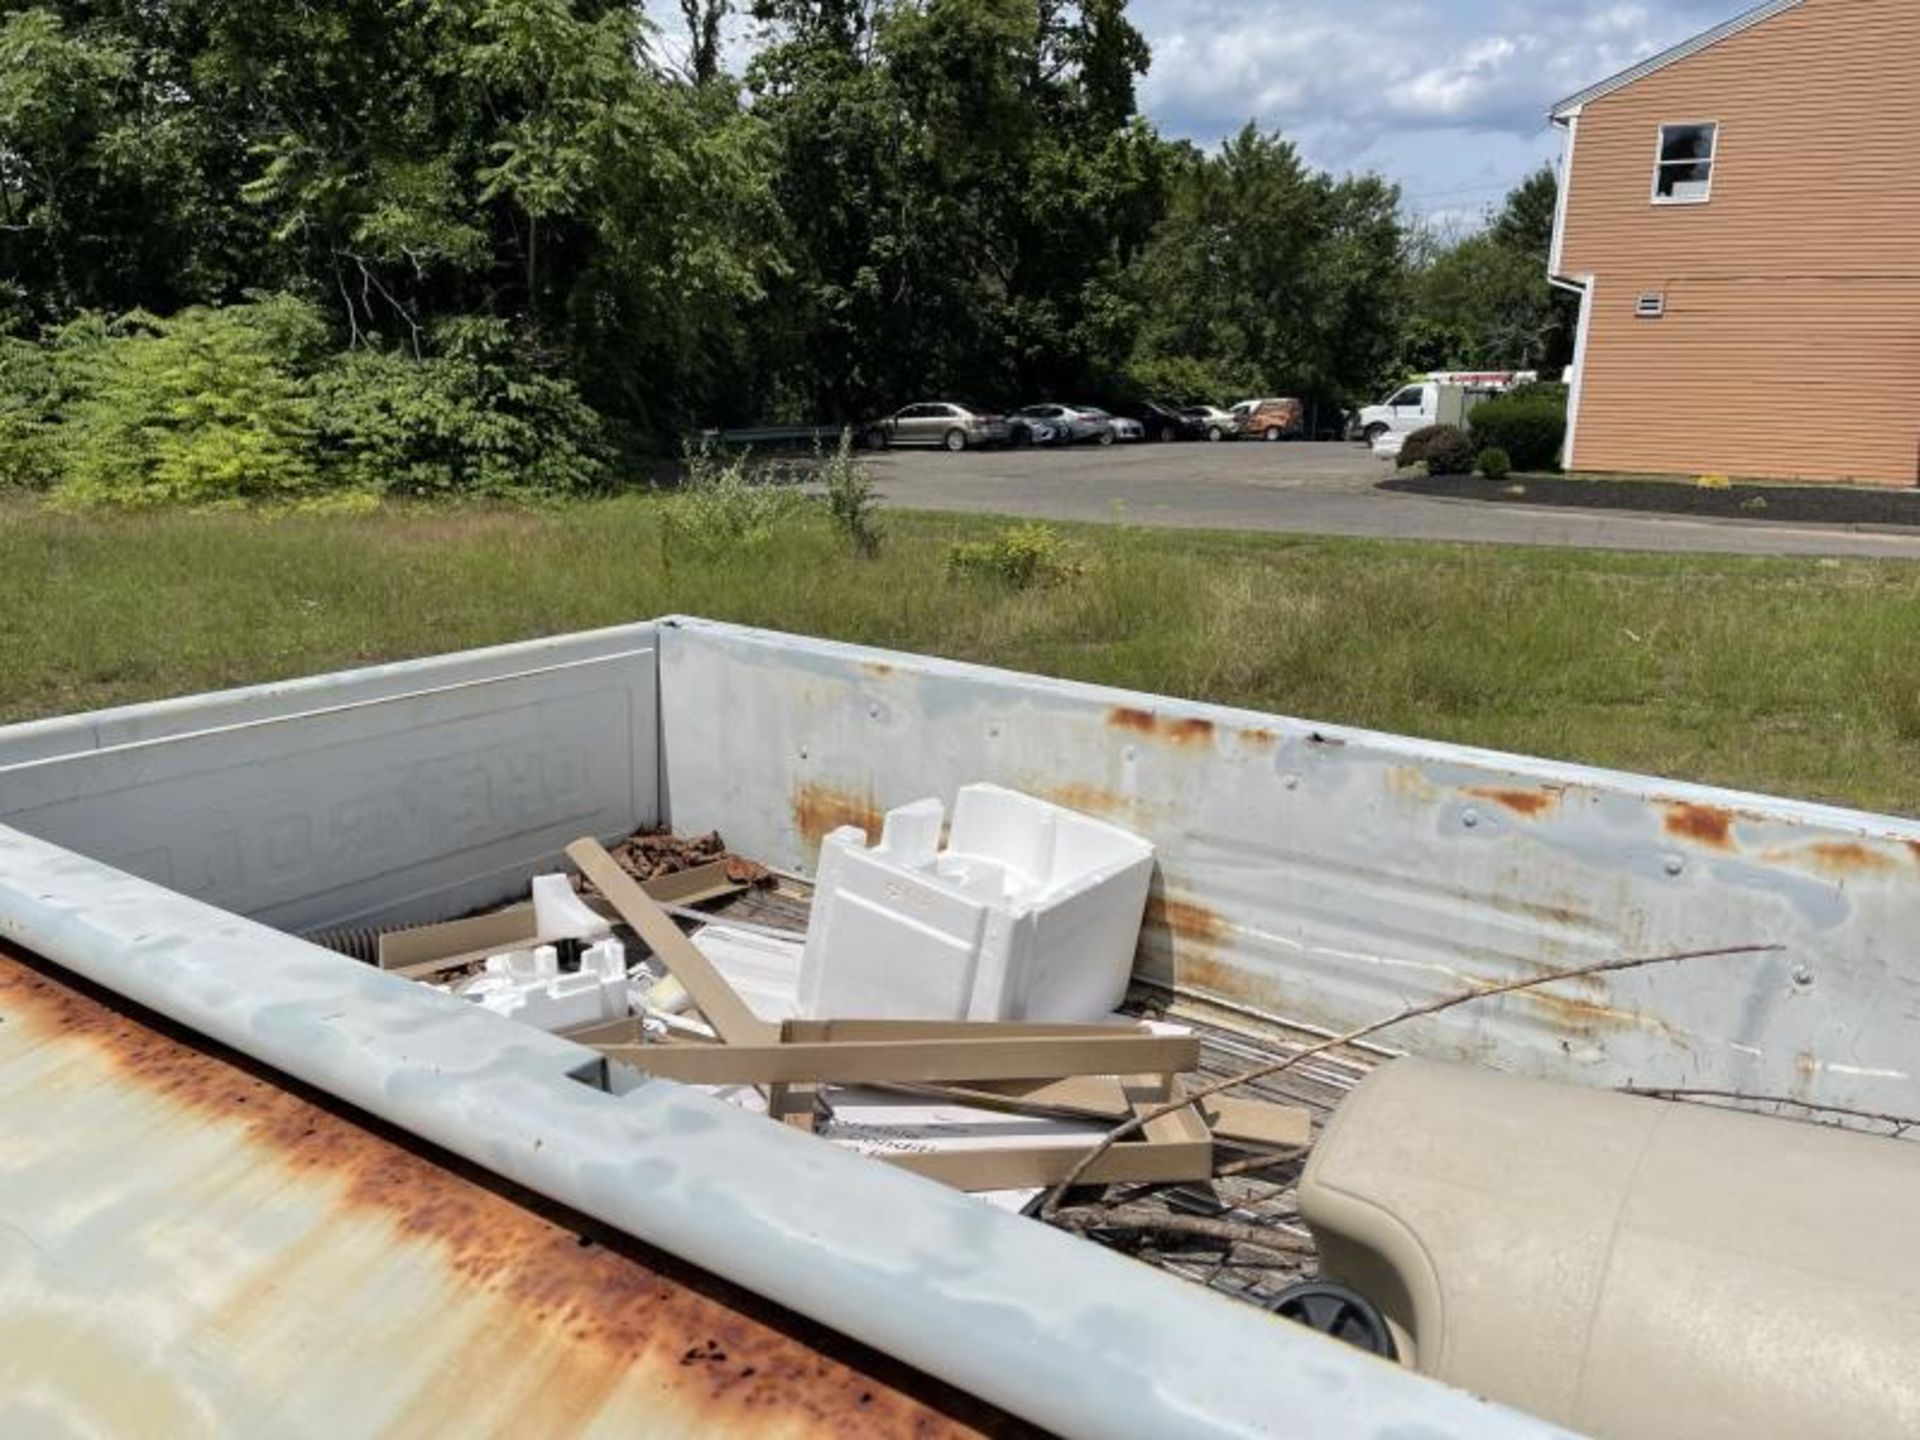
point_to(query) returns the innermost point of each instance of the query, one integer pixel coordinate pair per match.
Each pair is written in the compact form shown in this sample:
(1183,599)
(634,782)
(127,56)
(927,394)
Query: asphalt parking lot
(1309,489)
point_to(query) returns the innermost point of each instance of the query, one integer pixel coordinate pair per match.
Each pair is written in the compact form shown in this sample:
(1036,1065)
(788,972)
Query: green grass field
(1795,677)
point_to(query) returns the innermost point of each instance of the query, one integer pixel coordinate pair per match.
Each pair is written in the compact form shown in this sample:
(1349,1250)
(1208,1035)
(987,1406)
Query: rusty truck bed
(274,1243)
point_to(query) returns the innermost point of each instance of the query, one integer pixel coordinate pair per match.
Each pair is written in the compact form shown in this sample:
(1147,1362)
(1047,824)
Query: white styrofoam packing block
(526,985)
(1031,912)
(559,914)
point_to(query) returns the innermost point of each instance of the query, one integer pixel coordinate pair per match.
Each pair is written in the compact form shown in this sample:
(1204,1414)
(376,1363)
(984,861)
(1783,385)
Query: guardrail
(774,435)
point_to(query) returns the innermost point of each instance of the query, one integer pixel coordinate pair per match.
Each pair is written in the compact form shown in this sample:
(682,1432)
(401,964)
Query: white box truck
(1442,398)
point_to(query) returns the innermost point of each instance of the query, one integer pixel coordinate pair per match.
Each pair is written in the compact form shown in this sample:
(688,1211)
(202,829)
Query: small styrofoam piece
(527,985)
(559,914)
(764,970)
(1031,912)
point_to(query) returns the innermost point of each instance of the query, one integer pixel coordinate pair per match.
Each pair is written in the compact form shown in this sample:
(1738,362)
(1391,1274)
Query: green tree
(1272,273)
(1484,300)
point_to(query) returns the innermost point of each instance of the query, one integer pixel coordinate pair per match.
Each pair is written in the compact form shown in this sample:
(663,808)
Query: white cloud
(1430,93)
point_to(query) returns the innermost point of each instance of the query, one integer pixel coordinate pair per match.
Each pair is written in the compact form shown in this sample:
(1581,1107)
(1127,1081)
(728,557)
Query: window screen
(1685,170)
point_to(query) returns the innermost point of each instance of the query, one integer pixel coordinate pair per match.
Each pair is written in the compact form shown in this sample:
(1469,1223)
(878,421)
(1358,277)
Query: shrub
(721,507)
(1443,449)
(27,454)
(1530,425)
(207,407)
(1494,463)
(851,503)
(472,418)
(1021,556)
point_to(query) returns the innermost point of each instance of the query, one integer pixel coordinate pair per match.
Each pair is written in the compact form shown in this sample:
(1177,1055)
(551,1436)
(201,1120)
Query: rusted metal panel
(1329,876)
(189,1246)
(1064,1334)
(401,792)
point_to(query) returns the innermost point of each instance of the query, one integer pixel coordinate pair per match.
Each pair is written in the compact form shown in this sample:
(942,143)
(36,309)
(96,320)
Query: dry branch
(1050,1209)
(1151,1222)
(1900,1123)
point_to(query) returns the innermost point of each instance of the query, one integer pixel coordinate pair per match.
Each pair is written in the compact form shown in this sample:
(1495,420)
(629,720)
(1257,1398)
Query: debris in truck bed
(651,854)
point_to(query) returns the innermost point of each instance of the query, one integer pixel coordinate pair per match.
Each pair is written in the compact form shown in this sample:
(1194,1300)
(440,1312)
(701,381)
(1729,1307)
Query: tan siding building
(1742,217)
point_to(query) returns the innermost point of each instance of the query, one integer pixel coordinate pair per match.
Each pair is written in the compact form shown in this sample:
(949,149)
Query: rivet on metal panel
(1292,782)
(1132,753)
(1803,976)
(1471,819)
(1674,865)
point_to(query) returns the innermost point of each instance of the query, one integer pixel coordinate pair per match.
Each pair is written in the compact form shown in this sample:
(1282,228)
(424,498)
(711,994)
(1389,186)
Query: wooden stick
(712,995)
(1152,1222)
(1901,1123)
(1412,1012)
(855,1062)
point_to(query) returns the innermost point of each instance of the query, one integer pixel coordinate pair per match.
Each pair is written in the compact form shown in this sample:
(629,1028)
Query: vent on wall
(1652,306)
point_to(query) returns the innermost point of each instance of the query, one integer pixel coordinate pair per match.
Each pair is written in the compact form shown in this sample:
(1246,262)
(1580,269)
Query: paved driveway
(1318,489)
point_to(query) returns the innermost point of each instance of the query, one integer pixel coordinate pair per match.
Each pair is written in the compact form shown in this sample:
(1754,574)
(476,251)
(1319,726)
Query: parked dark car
(944,423)
(1161,422)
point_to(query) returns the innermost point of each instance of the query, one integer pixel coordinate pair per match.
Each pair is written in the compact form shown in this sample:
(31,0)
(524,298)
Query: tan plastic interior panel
(1628,1267)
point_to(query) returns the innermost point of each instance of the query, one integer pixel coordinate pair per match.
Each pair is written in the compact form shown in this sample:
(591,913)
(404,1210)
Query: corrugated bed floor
(1262,1198)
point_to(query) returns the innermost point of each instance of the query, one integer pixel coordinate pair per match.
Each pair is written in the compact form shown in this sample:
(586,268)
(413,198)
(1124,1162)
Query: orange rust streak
(1088,799)
(1186,920)
(1191,731)
(1259,739)
(1850,857)
(591,1308)
(819,810)
(1707,824)
(1530,803)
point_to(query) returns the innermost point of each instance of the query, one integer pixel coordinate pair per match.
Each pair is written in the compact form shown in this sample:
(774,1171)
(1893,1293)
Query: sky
(1446,97)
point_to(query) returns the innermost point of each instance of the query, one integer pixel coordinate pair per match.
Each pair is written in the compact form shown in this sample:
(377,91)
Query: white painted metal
(1070,1336)
(1331,875)
(402,792)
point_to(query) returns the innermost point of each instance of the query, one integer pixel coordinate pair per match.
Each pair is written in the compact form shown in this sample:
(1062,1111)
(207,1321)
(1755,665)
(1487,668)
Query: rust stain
(1408,783)
(1590,1018)
(1706,824)
(1089,799)
(1186,920)
(819,810)
(1259,739)
(879,669)
(589,1307)
(1530,803)
(1849,857)
(1192,731)
(1913,849)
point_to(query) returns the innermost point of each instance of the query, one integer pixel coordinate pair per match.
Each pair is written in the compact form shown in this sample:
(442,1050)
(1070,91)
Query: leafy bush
(472,418)
(721,507)
(27,455)
(1443,449)
(1530,425)
(851,503)
(1494,463)
(1021,556)
(207,407)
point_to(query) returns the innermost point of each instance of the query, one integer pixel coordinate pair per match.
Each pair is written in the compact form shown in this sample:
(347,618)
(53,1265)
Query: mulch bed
(1804,504)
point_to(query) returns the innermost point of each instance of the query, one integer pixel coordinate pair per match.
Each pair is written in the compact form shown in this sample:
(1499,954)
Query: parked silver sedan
(1118,427)
(942,424)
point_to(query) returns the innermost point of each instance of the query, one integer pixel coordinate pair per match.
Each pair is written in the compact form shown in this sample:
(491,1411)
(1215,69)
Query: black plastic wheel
(1344,1314)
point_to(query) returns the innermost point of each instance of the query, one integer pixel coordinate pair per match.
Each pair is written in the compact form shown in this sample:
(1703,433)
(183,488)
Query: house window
(1683,175)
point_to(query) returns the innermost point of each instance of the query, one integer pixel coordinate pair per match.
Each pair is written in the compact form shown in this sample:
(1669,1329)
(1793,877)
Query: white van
(1419,404)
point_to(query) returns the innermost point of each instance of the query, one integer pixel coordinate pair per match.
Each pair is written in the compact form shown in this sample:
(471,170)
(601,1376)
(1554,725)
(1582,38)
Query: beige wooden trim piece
(860,1061)
(712,995)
